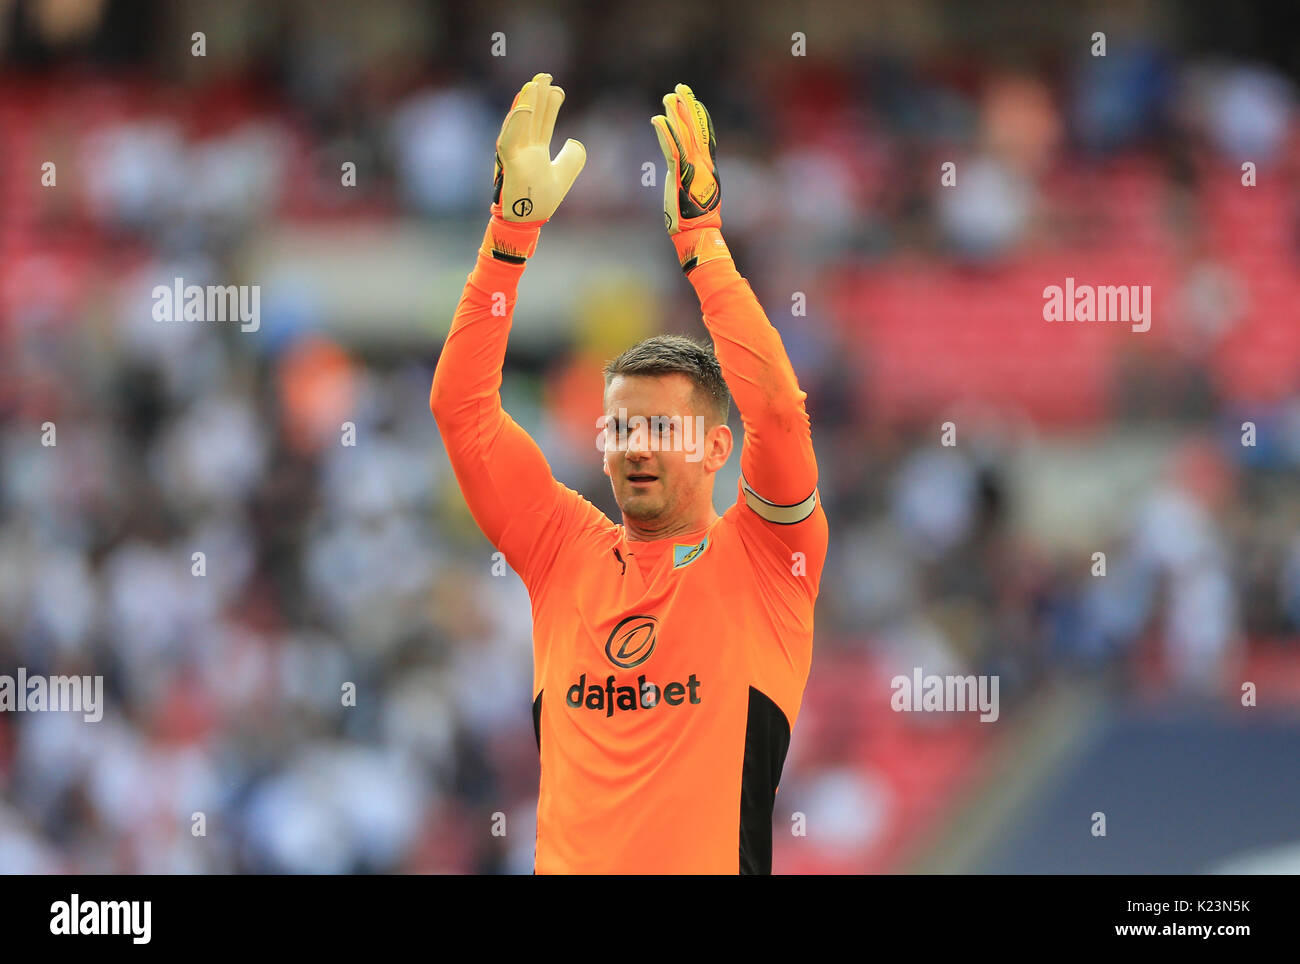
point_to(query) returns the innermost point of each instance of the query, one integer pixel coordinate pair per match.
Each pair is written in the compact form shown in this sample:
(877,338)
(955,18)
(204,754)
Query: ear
(719,447)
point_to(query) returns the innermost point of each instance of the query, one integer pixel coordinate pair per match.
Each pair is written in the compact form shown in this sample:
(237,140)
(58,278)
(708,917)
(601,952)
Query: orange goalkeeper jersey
(668,674)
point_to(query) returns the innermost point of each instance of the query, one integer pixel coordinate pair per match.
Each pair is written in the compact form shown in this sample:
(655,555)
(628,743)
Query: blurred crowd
(337,554)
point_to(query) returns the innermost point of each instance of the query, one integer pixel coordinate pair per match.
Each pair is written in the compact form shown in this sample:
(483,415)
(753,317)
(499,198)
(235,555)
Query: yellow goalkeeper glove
(692,190)
(528,185)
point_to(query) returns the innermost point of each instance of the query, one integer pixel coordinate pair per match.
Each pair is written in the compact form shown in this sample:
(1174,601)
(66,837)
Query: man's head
(665,431)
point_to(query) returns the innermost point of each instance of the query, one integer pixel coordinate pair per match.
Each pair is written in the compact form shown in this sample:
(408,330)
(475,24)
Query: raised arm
(504,476)
(778,466)
(777,463)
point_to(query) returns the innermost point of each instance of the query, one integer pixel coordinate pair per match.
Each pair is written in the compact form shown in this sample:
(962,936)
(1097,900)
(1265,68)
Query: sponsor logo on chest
(631,642)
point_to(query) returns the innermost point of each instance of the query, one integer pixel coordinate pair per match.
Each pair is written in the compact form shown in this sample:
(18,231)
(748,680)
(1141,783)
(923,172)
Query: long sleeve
(777,460)
(502,473)
(777,492)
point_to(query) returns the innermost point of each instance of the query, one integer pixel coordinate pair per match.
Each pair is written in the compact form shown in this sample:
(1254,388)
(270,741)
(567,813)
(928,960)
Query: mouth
(642,479)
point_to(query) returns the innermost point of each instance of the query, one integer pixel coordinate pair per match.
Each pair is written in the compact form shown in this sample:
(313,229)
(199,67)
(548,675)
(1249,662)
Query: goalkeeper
(670,652)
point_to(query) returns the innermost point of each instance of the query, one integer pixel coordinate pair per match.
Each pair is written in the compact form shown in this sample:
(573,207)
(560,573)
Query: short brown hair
(677,355)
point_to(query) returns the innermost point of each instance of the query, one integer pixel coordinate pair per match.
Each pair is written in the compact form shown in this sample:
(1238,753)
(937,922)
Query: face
(660,456)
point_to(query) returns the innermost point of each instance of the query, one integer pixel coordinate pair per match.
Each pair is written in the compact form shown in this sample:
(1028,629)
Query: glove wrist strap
(511,241)
(699,246)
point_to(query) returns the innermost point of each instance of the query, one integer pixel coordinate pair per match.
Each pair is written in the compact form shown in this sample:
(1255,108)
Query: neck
(649,531)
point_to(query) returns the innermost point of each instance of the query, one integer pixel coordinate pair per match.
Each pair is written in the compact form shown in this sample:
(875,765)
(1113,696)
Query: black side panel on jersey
(537,731)
(767,738)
